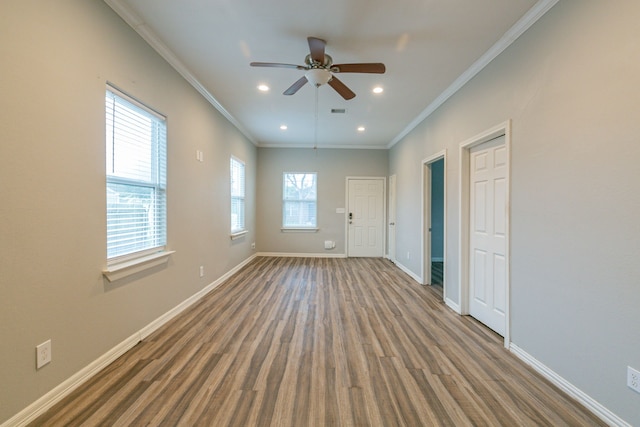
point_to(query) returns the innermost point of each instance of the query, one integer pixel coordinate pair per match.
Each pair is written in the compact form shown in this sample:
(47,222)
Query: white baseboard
(453,305)
(41,405)
(591,404)
(409,272)
(301,255)
(153,326)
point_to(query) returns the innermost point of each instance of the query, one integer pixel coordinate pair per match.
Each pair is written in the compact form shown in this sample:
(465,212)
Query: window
(299,196)
(237,196)
(136,177)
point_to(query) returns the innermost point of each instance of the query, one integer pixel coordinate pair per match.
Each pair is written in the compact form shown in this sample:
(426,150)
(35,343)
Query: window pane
(237,195)
(136,177)
(300,186)
(135,219)
(299,200)
(237,215)
(300,214)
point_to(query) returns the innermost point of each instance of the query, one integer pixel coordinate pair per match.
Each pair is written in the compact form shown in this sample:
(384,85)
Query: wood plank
(319,342)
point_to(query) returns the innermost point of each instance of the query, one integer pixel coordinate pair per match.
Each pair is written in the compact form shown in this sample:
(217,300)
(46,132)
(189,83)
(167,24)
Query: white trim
(299,230)
(238,234)
(523,24)
(299,255)
(437,259)
(503,128)
(410,273)
(423,267)
(328,146)
(452,305)
(135,22)
(130,267)
(591,404)
(58,393)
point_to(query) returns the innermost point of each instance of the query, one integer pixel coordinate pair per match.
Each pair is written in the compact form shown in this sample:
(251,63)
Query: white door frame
(384,210)
(391,227)
(464,288)
(426,218)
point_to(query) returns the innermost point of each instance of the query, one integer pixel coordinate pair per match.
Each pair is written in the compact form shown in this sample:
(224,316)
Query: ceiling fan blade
(374,67)
(296,86)
(316,47)
(277,65)
(341,88)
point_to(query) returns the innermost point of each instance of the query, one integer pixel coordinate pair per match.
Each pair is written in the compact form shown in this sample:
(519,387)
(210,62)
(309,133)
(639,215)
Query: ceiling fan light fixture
(378,89)
(318,76)
(263,88)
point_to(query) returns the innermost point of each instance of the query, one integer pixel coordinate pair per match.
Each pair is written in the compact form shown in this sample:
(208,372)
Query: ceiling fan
(320,69)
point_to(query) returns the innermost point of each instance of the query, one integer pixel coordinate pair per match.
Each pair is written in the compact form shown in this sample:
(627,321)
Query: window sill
(125,269)
(238,234)
(299,230)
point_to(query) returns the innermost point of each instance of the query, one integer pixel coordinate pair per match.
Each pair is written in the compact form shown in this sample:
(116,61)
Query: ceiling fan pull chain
(315,126)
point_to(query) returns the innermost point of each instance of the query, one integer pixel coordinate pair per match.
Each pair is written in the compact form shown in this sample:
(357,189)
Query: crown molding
(139,26)
(523,24)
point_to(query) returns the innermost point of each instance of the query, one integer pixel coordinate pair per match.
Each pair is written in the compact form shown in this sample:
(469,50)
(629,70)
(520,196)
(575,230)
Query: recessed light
(263,88)
(360,128)
(283,127)
(378,89)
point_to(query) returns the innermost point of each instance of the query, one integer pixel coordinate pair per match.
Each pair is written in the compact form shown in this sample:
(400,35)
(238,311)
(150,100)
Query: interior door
(488,231)
(392,218)
(365,217)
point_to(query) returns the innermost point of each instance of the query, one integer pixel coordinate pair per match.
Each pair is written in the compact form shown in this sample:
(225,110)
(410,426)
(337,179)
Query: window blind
(136,176)
(237,195)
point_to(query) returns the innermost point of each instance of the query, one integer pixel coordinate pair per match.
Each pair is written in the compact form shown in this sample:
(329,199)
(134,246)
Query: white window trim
(312,229)
(240,232)
(128,266)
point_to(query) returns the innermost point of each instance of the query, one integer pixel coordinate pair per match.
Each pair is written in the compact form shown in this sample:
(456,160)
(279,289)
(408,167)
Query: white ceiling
(430,49)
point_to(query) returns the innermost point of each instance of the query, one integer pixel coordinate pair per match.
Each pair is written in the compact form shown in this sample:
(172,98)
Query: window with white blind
(299,196)
(237,196)
(136,178)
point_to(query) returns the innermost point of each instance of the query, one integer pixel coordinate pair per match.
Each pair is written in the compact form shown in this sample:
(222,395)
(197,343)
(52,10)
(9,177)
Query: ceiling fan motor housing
(327,63)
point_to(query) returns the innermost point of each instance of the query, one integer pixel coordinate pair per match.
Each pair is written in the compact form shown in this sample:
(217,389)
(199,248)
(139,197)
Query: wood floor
(319,342)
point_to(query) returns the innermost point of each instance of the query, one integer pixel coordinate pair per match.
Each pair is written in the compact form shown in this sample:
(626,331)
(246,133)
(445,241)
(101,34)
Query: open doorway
(437,223)
(434,220)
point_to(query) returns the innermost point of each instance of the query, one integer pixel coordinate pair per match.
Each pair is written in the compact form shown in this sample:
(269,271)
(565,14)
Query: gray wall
(571,86)
(56,58)
(332,167)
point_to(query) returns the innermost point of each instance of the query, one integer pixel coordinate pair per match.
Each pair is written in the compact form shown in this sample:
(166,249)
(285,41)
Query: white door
(366,217)
(488,231)
(392,218)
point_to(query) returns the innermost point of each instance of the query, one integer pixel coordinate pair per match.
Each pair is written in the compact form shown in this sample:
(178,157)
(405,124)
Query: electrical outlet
(202,271)
(633,379)
(43,354)
(253,245)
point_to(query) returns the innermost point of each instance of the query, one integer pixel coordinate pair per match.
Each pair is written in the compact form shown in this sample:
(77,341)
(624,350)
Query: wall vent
(338,110)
